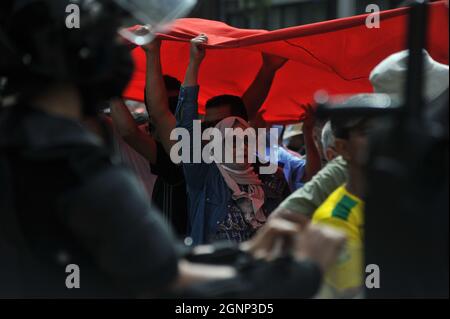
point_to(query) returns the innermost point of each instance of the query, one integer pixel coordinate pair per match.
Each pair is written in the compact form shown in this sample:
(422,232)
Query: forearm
(156,93)
(257,93)
(192,72)
(187,111)
(313,162)
(122,119)
(157,99)
(189,125)
(130,132)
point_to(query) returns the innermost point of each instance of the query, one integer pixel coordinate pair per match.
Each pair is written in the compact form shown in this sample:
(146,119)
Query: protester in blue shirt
(298,171)
(226,202)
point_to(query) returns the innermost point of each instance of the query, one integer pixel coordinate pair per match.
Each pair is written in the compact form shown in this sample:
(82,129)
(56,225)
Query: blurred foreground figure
(409,177)
(71,204)
(67,210)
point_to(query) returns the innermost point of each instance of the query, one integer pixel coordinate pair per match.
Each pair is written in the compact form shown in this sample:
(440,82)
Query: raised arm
(187,111)
(258,91)
(313,162)
(197,55)
(188,100)
(156,95)
(130,132)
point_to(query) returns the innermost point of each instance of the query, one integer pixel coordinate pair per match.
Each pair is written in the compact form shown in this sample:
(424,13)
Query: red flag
(336,56)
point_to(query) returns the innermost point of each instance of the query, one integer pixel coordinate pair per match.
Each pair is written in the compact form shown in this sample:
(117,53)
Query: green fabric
(308,198)
(344,208)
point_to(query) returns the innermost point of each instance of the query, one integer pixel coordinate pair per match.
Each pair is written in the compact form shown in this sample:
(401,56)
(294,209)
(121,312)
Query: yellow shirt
(345,212)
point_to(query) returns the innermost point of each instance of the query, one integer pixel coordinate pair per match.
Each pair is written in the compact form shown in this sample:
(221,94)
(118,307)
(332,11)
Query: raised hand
(198,51)
(310,116)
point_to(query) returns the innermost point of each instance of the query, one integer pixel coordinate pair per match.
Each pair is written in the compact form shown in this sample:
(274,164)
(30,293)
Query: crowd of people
(301,227)
(320,179)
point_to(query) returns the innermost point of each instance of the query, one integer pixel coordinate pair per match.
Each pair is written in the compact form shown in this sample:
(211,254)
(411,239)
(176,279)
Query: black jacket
(65,202)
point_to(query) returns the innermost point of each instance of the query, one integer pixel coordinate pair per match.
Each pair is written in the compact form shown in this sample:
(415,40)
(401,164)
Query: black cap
(356,111)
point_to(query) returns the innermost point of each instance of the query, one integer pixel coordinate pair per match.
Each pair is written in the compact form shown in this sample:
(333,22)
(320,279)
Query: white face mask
(240,158)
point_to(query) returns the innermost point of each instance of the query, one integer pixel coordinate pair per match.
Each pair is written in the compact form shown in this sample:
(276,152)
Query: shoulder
(336,166)
(335,173)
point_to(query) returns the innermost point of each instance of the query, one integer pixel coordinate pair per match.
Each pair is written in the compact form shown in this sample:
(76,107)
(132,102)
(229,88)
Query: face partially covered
(240,150)
(237,143)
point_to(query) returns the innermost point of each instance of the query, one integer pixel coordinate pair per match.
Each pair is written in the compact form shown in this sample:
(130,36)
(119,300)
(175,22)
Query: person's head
(293,138)
(235,144)
(329,143)
(351,132)
(88,61)
(223,106)
(317,137)
(173,86)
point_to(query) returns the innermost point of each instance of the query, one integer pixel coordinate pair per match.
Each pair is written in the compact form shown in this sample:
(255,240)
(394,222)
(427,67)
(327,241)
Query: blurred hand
(289,215)
(143,30)
(320,244)
(277,235)
(198,51)
(273,62)
(273,239)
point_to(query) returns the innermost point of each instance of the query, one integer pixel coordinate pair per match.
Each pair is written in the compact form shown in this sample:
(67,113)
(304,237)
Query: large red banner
(336,56)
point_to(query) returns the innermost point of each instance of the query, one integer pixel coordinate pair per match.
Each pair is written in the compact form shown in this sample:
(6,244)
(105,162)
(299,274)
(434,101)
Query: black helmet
(42,47)
(74,41)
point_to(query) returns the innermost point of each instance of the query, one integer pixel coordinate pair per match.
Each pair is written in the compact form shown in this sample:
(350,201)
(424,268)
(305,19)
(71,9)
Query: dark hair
(235,102)
(172,84)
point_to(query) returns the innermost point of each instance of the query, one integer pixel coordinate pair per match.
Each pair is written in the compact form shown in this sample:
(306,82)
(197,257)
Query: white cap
(389,76)
(293,130)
